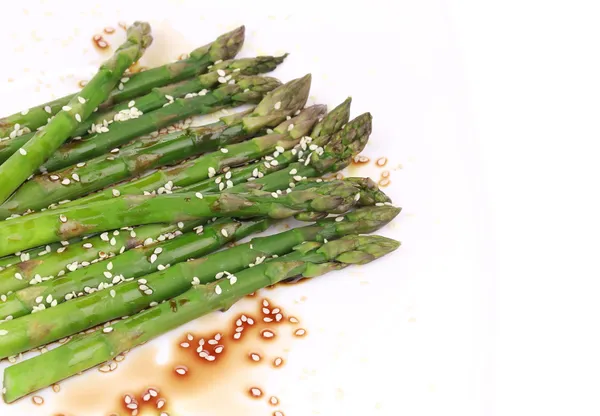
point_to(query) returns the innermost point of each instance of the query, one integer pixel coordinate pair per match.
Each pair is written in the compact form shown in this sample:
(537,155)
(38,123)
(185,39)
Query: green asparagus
(286,134)
(127,298)
(130,210)
(309,260)
(285,170)
(18,167)
(127,266)
(158,97)
(131,86)
(227,95)
(140,156)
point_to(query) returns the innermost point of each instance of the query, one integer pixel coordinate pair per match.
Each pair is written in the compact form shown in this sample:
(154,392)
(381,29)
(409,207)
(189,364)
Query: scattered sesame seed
(255,357)
(224,232)
(181,370)
(108,329)
(66,108)
(290,127)
(62,218)
(277,105)
(218,290)
(116,192)
(267,334)
(223,150)
(274,195)
(153,258)
(339,219)
(113,293)
(78,118)
(22,151)
(255,392)
(37,400)
(113,241)
(180,224)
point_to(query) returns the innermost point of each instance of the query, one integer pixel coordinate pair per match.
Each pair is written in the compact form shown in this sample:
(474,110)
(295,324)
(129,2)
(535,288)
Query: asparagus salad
(115,207)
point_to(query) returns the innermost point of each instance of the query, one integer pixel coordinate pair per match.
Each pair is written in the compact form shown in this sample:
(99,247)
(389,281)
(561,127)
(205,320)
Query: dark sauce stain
(173,305)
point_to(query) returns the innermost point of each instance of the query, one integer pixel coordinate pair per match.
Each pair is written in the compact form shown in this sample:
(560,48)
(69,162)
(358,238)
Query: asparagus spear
(125,267)
(227,95)
(158,97)
(130,210)
(97,173)
(309,260)
(53,263)
(224,47)
(128,298)
(271,110)
(17,168)
(285,170)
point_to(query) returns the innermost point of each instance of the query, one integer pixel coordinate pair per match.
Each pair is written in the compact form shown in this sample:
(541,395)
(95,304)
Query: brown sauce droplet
(360,160)
(384,182)
(100,43)
(109,30)
(381,162)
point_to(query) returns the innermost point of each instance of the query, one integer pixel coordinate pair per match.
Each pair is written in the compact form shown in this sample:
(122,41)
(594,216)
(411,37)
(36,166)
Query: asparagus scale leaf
(224,47)
(83,352)
(18,167)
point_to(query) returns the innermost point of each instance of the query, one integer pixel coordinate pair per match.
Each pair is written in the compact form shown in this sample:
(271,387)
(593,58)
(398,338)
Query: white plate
(404,335)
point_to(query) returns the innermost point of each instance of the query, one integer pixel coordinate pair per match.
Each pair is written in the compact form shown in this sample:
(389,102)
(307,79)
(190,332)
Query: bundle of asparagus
(104,232)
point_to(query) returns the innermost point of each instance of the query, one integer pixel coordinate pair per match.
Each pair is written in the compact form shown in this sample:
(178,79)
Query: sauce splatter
(360,160)
(381,162)
(100,43)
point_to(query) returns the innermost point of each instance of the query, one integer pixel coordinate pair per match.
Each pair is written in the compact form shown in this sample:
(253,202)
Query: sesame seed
(379,204)
(211,172)
(199,195)
(218,290)
(274,195)
(221,72)
(267,334)
(277,362)
(277,105)
(62,218)
(181,371)
(223,150)
(87,245)
(37,400)
(113,241)
(256,392)
(116,192)
(78,118)
(180,224)
(153,258)
(339,219)
(273,400)
(66,108)
(113,293)
(108,329)
(22,151)
(255,357)
(224,233)
(290,127)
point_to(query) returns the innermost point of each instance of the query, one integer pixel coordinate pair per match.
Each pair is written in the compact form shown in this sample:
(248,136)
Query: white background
(491,108)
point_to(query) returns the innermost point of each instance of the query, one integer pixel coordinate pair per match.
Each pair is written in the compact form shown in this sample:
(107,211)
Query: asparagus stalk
(127,266)
(269,110)
(158,97)
(55,263)
(130,210)
(227,95)
(97,173)
(18,167)
(309,260)
(224,47)
(128,298)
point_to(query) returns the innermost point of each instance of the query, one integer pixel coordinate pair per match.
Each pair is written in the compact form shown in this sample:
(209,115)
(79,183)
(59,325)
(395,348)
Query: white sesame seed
(116,192)
(211,172)
(62,218)
(113,241)
(48,109)
(274,195)
(22,151)
(277,105)
(255,357)
(218,290)
(153,258)
(224,150)
(131,104)
(78,118)
(88,245)
(290,127)
(113,293)
(339,219)
(108,329)
(199,195)
(180,224)
(66,108)
(267,334)
(256,392)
